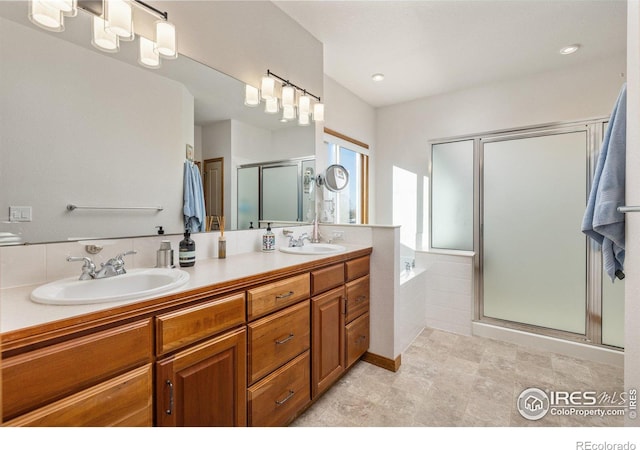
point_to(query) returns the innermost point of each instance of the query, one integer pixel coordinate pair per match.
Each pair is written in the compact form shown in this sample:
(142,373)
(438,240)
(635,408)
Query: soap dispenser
(268,240)
(187,252)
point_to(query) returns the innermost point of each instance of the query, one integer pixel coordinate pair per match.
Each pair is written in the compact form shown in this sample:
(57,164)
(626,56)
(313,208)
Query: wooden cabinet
(187,325)
(271,297)
(357,268)
(279,364)
(328,364)
(204,385)
(357,298)
(125,401)
(357,309)
(278,338)
(37,378)
(253,352)
(278,398)
(357,338)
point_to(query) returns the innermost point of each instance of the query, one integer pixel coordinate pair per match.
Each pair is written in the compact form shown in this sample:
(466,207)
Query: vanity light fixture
(318,112)
(166,42)
(118,19)
(271,105)
(288,96)
(112,22)
(101,38)
(147,56)
(267,87)
(270,85)
(49,15)
(569,49)
(251,96)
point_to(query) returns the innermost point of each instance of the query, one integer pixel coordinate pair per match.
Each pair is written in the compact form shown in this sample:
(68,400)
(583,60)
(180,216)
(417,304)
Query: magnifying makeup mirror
(335,178)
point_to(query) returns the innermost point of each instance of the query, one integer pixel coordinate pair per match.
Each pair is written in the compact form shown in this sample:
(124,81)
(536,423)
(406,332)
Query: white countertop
(18,311)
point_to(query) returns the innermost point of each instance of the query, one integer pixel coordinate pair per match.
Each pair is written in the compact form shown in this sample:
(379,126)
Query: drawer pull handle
(286,399)
(361,298)
(170,410)
(285,295)
(288,338)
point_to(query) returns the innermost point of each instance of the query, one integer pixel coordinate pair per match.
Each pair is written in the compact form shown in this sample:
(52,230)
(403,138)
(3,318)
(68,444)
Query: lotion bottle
(268,240)
(187,252)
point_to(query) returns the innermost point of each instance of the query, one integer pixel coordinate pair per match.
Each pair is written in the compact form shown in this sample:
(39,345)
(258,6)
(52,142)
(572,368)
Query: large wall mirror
(88,128)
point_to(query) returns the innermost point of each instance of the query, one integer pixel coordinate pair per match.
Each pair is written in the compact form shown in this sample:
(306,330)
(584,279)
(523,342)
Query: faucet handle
(122,255)
(88,268)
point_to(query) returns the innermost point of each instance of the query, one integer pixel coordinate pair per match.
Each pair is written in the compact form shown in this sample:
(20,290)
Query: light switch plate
(20,214)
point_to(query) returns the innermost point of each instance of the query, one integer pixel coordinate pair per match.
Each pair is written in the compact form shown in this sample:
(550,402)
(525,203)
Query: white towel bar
(626,209)
(72,207)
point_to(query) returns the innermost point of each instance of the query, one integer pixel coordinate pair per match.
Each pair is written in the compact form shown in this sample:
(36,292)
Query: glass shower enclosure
(516,198)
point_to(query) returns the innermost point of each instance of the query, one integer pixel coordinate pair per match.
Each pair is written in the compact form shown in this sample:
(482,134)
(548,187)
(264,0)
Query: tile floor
(452,380)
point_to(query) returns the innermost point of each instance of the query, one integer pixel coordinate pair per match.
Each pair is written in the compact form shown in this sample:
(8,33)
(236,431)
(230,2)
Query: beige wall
(245,38)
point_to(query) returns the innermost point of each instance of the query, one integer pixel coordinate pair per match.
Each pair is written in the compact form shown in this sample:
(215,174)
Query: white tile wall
(410,310)
(449,291)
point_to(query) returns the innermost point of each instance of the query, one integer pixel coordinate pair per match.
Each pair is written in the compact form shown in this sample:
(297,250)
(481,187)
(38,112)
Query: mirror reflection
(94,129)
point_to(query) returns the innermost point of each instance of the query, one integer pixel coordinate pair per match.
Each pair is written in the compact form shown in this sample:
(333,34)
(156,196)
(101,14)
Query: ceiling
(429,47)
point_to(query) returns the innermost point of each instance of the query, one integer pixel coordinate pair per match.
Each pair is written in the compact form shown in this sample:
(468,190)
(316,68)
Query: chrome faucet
(88,268)
(315,235)
(293,242)
(113,267)
(302,238)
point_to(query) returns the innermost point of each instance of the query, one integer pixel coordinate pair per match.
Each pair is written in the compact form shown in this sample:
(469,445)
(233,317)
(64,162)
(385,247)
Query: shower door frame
(593,303)
(593,278)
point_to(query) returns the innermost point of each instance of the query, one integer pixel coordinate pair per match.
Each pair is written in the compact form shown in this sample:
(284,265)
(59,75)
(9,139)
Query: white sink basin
(314,249)
(135,284)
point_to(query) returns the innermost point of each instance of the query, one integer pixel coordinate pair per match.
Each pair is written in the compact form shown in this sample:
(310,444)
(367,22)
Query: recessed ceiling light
(569,49)
(377,77)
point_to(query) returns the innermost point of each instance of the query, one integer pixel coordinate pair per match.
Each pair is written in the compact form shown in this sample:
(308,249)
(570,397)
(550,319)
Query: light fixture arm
(289,83)
(164,14)
(95,7)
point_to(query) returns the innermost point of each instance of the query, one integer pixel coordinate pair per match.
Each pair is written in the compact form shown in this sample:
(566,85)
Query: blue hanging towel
(602,221)
(194,209)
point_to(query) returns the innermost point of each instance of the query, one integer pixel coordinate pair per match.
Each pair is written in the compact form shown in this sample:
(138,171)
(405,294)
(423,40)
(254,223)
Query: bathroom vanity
(252,340)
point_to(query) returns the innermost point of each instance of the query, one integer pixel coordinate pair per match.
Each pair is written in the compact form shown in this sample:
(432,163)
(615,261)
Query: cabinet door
(328,339)
(204,385)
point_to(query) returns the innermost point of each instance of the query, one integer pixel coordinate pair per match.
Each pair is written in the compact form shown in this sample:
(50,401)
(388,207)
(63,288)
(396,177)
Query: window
(350,205)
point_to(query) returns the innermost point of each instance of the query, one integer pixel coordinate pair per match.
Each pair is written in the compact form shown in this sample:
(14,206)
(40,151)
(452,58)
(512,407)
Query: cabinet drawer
(182,327)
(357,298)
(273,296)
(324,279)
(357,338)
(276,400)
(277,338)
(124,401)
(36,378)
(357,268)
